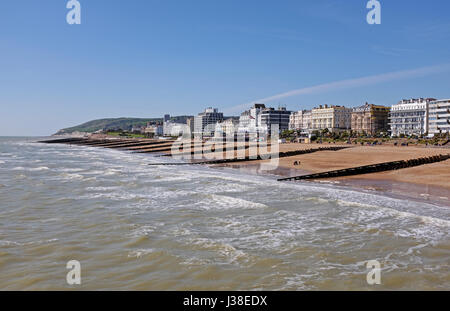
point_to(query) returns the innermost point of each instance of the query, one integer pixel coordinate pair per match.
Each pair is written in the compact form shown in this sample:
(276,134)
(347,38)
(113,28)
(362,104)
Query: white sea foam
(287,235)
(214,201)
(140,252)
(70,170)
(386,211)
(71,176)
(411,250)
(298,281)
(228,188)
(94,172)
(40,168)
(166,178)
(101,188)
(9,243)
(317,200)
(30,169)
(225,251)
(145,230)
(13,243)
(195,261)
(51,219)
(112,171)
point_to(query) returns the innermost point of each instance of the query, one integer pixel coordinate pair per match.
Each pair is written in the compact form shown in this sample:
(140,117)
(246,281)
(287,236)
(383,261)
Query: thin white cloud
(393,51)
(350,83)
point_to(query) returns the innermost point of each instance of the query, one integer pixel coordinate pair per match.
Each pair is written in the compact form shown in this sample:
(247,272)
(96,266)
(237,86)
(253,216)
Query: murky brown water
(139,227)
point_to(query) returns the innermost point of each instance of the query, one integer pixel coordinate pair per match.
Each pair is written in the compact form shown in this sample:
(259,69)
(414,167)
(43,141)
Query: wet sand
(395,189)
(436,174)
(430,182)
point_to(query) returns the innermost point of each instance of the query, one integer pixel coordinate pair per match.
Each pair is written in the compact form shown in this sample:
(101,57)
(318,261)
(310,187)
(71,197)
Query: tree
(325,132)
(344,134)
(287,133)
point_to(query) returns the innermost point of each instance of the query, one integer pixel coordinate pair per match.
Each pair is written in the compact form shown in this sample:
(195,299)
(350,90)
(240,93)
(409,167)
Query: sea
(132,226)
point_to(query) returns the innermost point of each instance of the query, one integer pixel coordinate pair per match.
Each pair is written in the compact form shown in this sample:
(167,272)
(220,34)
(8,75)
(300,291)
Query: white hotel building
(334,118)
(250,120)
(205,122)
(260,119)
(439,117)
(300,120)
(410,117)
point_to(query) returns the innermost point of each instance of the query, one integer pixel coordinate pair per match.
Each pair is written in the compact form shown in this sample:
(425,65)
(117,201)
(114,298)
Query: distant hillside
(107,124)
(114,124)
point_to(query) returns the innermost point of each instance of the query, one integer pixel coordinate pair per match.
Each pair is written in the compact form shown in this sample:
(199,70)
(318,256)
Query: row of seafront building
(423,116)
(257,120)
(408,117)
(420,116)
(439,117)
(367,118)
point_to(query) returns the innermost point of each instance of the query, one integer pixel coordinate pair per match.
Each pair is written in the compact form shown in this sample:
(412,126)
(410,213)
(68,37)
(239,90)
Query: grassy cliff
(107,124)
(115,124)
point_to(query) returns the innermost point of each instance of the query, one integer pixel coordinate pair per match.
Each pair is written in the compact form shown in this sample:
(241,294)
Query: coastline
(395,189)
(199,218)
(425,183)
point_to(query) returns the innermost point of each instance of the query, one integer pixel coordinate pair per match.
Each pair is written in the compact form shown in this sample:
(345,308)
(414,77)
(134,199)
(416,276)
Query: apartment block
(410,117)
(259,119)
(300,120)
(205,122)
(249,121)
(370,119)
(333,118)
(439,117)
(274,117)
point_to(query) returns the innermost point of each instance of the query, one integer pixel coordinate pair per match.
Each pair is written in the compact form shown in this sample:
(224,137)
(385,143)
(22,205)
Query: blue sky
(145,58)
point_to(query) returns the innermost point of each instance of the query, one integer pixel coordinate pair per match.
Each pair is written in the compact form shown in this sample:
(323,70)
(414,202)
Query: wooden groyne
(82,141)
(133,145)
(258,157)
(195,148)
(136,144)
(199,150)
(373,168)
(117,143)
(93,143)
(107,143)
(150,149)
(63,140)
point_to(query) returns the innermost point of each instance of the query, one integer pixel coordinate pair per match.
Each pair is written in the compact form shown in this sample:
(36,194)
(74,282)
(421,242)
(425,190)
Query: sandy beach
(428,181)
(435,174)
(173,227)
(425,181)
(432,174)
